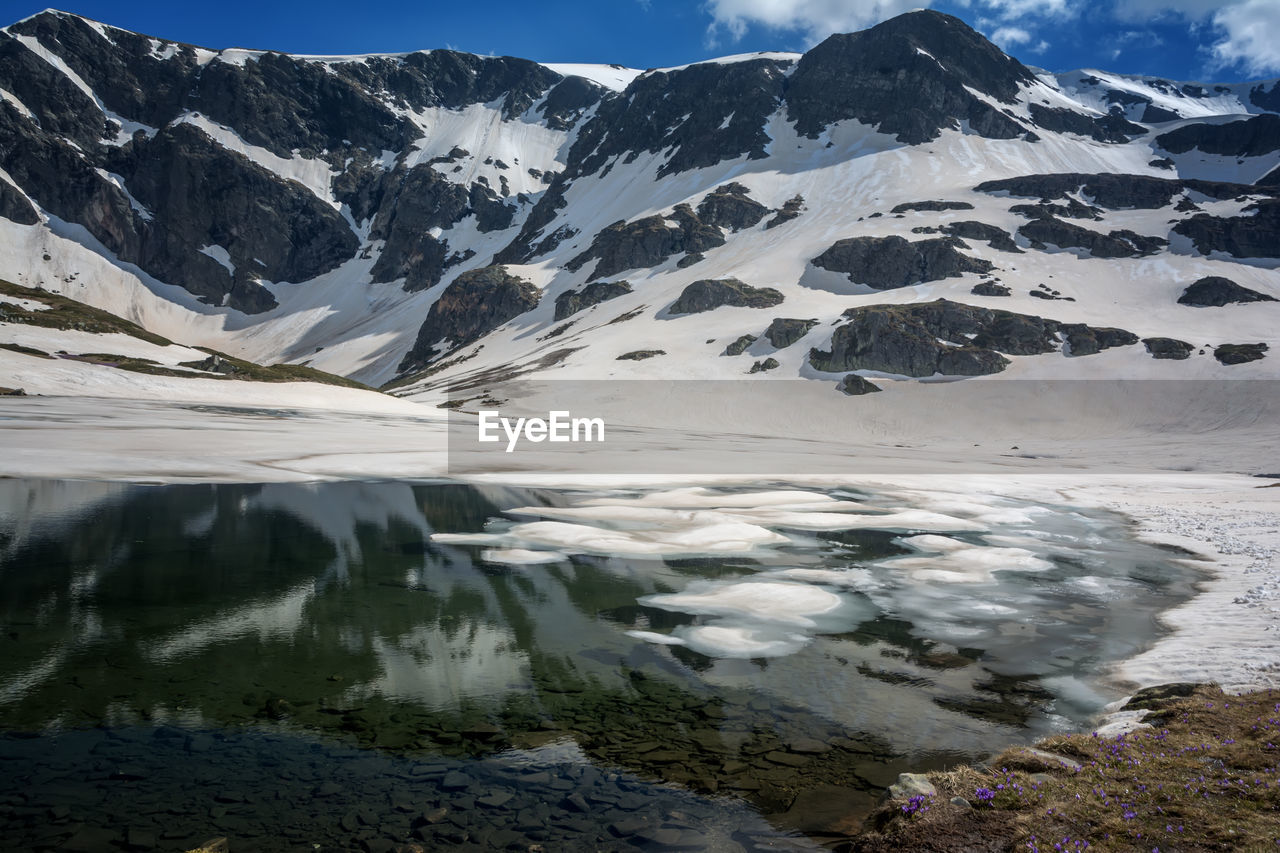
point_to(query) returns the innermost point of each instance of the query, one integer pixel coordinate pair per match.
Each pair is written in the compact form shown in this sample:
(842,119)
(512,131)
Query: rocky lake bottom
(367,665)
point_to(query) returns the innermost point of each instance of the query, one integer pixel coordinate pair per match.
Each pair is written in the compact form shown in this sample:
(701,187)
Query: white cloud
(1009,37)
(1250,37)
(1010,10)
(1247,31)
(813,19)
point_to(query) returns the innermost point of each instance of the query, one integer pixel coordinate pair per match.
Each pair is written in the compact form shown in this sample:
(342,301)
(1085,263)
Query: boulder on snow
(785,331)
(731,207)
(572,301)
(1240,353)
(709,293)
(1216,291)
(1171,348)
(884,263)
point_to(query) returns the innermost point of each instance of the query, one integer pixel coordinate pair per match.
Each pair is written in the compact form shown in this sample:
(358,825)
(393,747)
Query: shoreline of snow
(1229,632)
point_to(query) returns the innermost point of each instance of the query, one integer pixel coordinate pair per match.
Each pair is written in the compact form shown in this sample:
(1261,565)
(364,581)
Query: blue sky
(1207,40)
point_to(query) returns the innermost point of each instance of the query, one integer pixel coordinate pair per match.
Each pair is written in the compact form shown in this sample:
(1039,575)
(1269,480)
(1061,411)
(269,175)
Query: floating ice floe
(520,556)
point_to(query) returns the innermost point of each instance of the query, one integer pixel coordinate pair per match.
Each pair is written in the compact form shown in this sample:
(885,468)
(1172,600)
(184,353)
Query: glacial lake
(363,665)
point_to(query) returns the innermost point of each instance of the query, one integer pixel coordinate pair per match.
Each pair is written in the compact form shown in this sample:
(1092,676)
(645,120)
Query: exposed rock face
(647,242)
(1248,236)
(477,302)
(640,354)
(739,346)
(785,331)
(931,205)
(854,385)
(990,288)
(1109,128)
(996,238)
(1168,348)
(1216,291)
(908,78)
(1070,208)
(1240,353)
(790,210)
(948,338)
(1267,100)
(1065,235)
(1114,192)
(708,294)
(888,262)
(14,207)
(1252,137)
(706,113)
(572,301)
(1091,340)
(766,364)
(335,113)
(731,207)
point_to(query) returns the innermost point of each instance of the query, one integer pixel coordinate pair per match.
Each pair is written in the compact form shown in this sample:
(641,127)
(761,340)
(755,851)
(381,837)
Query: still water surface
(365,665)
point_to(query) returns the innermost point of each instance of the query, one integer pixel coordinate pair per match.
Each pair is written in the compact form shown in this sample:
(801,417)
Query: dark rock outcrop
(948,338)
(1109,128)
(1118,244)
(1070,208)
(1253,235)
(1240,353)
(990,288)
(1252,137)
(739,346)
(766,364)
(1112,191)
(1090,340)
(1216,291)
(731,207)
(888,262)
(474,304)
(931,205)
(15,207)
(708,294)
(704,114)
(647,242)
(791,209)
(996,238)
(1259,96)
(909,77)
(1168,348)
(572,301)
(854,385)
(640,354)
(785,331)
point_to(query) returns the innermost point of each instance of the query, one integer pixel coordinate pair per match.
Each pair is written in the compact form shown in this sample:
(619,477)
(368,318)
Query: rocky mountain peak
(907,76)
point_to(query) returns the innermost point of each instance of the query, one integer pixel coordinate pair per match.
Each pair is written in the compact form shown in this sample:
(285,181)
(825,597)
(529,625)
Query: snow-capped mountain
(907,201)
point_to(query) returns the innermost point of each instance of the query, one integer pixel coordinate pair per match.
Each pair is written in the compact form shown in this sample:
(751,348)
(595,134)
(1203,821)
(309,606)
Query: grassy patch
(230,367)
(1206,777)
(26,350)
(66,313)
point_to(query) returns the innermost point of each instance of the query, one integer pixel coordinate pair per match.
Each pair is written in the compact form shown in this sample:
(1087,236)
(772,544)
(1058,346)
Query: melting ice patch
(749,619)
